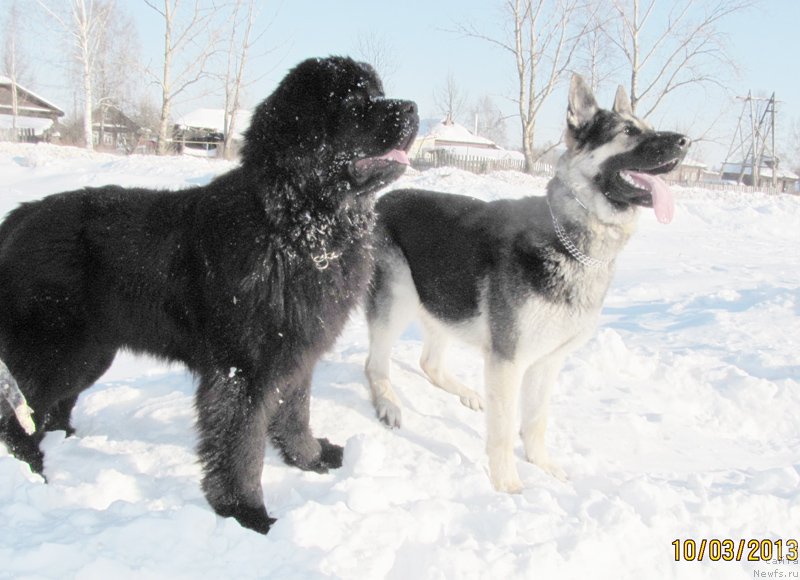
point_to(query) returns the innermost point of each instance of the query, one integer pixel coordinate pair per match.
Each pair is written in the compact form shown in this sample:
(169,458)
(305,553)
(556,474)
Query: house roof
(48,105)
(689,162)
(451,132)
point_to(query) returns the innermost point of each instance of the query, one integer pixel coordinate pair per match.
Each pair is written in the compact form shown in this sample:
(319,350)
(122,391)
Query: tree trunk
(87,105)
(164,138)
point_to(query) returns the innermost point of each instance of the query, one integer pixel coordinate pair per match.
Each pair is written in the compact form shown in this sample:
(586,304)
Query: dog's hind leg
(540,378)
(58,418)
(391,305)
(434,350)
(503,379)
(52,375)
(77,373)
(20,444)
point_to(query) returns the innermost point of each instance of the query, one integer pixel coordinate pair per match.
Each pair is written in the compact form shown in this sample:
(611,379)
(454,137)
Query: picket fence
(482,165)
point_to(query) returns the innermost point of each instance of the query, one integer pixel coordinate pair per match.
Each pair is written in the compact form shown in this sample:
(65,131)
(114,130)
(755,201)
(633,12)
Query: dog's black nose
(409,107)
(684,142)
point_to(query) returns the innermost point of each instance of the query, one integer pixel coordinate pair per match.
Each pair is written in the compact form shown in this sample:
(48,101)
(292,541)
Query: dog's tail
(9,390)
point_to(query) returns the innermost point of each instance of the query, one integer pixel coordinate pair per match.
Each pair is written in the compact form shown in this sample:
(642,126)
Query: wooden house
(35,119)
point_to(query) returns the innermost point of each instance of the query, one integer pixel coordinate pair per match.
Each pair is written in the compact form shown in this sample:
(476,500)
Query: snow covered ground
(680,420)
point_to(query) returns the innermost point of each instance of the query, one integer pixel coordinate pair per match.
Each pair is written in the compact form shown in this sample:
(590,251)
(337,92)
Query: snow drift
(680,419)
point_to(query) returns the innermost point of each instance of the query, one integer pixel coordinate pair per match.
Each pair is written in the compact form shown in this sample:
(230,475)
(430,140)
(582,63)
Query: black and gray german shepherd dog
(523,280)
(247,280)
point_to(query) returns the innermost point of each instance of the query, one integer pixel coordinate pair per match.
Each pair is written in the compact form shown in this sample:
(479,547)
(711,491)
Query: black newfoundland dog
(248,280)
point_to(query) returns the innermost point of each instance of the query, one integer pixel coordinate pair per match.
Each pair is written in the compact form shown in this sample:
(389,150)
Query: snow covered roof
(766,172)
(689,162)
(452,132)
(214,119)
(51,107)
(460,141)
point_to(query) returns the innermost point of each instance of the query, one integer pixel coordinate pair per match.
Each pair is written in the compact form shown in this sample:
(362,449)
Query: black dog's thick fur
(247,280)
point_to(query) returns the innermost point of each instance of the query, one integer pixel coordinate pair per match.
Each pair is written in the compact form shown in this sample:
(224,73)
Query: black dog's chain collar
(323,260)
(574,251)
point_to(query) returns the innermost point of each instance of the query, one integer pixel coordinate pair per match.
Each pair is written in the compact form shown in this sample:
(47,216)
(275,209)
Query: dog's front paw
(472,400)
(541,459)
(509,483)
(331,456)
(554,469)
(388,412)
(252,517)
(504,476)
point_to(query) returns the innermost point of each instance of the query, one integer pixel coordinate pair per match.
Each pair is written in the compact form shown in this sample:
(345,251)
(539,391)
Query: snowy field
(679,420)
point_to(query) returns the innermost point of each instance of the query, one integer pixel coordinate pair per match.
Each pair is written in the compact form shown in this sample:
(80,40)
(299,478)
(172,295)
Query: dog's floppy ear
(622,104)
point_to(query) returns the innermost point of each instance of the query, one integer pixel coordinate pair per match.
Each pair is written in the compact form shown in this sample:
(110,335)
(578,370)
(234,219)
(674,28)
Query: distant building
(200,132)
(456,139)
(112,129)
(450,144)
(785,181)
(36,117)
(690,171)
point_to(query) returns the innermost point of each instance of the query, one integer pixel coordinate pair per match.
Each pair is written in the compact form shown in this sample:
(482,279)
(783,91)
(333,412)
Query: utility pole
(753,142)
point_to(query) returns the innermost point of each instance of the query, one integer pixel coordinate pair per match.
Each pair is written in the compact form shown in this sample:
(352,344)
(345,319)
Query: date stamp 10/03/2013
(741,550)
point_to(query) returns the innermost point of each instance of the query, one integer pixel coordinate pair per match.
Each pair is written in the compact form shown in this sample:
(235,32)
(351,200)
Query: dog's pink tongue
(396,155)
(663,201)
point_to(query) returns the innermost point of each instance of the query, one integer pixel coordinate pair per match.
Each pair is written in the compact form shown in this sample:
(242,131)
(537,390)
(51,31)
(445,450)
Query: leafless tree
(83,23)
(117,63)
(377,51)
(668,52)
(191,38)
(240,40)
(116,66)
(596,60)
(489,120)
(450,100)
(15,63)
(544,38)
(146,114)
(793,147)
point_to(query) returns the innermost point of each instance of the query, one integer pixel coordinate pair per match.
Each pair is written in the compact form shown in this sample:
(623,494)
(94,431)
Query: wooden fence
(474,164)
(731,187)
(20,135)
(470,163)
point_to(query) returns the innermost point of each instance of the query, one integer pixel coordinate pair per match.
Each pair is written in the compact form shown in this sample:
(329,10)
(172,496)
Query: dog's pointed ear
(582,106)
(622,104)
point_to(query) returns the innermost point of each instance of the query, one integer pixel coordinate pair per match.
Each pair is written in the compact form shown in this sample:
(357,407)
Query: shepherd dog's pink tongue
(663,202)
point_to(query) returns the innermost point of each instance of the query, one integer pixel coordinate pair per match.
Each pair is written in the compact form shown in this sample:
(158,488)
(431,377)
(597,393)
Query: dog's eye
(631,130)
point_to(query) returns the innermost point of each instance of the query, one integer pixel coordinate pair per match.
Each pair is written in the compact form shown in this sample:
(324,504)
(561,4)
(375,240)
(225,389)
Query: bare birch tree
(83,22)
(450,99)
(544,38)
(14,62)
(377,51)
(116,68)
(239,43)
(793,147)
(668,52)
(596,59)
(489,121)
(190,40)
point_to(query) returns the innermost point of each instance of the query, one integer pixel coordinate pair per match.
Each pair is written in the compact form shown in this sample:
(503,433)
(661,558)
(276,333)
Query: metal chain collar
(574,251)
